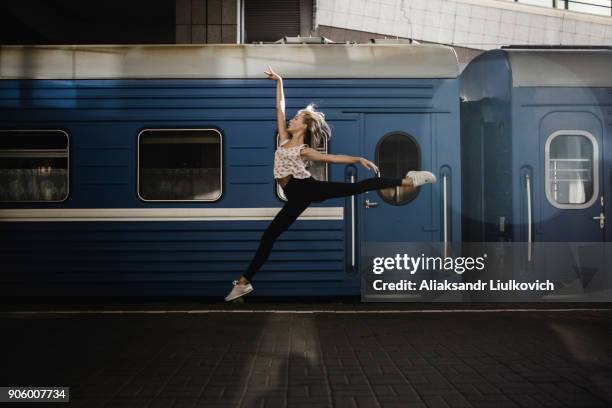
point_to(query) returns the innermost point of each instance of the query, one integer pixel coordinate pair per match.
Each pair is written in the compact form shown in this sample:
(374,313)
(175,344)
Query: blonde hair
(317,129)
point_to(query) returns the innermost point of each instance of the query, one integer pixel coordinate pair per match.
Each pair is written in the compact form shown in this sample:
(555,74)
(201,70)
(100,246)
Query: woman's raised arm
(280,103)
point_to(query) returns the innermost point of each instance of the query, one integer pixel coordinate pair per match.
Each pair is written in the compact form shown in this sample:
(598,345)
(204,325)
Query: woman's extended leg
(284,218)
(323,190)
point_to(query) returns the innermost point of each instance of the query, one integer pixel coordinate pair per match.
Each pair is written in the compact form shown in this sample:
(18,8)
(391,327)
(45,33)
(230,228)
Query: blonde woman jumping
(298,142)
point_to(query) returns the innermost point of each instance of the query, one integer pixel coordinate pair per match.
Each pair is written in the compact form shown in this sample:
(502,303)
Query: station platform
(311,353)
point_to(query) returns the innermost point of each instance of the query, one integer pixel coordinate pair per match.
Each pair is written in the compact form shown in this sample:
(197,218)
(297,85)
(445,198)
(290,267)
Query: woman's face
(296,123)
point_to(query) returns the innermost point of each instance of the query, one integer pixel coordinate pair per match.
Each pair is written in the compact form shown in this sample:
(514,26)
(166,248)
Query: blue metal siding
(446,159)
(103,119)
(48,254)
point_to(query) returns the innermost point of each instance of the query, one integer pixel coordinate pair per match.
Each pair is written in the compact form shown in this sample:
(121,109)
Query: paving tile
(318,360)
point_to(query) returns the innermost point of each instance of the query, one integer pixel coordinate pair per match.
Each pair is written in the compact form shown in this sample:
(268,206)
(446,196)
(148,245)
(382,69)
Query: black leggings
(300,193)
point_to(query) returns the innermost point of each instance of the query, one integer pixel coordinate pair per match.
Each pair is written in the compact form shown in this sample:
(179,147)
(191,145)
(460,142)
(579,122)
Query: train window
(396,154)
(571,169)
(33,165)
(319,170)
(179,165)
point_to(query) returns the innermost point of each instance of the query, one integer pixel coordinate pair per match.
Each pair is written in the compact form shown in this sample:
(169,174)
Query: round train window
(396,154)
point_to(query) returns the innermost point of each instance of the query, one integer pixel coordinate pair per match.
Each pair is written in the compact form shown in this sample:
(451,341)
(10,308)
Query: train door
(399,143)
(572,168)
(606,178)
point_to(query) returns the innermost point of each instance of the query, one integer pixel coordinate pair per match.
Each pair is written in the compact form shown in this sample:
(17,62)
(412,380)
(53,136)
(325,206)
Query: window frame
(178,129)
(419,163)
(279,190)
(596,165)
(67,165)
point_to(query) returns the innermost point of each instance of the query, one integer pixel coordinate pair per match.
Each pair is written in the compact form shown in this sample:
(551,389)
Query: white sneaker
(421,177)
(239,290)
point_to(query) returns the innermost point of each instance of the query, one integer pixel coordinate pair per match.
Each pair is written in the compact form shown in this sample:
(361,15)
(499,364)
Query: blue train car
(147,170)
(535,140)
(535,151)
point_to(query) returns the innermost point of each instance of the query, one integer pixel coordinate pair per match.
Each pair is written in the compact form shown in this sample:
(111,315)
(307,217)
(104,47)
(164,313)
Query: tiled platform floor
(509,359)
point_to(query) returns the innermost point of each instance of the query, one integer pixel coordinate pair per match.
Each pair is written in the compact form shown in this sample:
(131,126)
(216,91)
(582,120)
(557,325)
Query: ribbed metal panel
(189,251)
(271,20)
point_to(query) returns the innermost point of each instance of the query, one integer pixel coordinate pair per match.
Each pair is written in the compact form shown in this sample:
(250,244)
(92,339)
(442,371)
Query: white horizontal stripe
(204,311)
(163,214)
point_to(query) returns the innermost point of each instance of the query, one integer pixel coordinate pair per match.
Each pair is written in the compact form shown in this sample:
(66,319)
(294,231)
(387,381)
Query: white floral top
(288,161)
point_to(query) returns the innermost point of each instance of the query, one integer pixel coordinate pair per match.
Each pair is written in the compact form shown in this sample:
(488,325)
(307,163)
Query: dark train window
(319,170)
(33,165)
(179,165)
(571,169)
(396,154)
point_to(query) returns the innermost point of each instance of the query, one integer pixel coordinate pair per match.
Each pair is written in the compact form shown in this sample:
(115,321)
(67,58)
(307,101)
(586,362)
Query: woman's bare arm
(312,154)
(280,111)
(280,104)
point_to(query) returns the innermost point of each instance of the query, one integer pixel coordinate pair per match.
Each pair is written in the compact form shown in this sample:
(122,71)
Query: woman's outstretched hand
(368,165)
(272,75)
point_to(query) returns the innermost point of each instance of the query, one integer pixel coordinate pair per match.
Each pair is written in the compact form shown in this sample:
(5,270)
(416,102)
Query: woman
(304,132)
